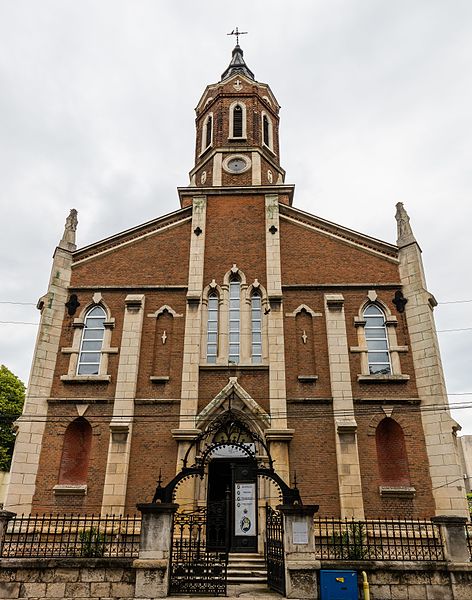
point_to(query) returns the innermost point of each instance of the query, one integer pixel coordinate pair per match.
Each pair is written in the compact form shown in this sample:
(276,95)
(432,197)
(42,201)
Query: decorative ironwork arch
(231,424)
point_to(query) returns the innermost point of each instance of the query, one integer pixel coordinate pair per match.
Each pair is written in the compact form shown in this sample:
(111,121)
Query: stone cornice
(190,192)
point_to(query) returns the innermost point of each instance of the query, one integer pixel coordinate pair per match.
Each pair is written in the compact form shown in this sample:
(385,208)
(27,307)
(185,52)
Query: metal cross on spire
(237,33)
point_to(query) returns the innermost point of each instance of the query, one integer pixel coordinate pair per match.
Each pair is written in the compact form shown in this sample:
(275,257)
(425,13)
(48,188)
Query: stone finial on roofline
(68,237)
(404,231)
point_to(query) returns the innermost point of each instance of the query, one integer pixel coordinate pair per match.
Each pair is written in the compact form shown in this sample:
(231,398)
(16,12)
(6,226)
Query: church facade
(310,345)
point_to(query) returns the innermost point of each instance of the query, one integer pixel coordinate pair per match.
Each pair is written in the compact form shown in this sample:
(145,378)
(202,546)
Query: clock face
(237,165)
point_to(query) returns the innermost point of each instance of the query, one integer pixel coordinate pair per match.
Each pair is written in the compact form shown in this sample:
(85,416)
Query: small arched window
(76,453)
(208,131)
(256,328)
(265,130)
(391,453)
(212,328)
(378,355)
(92,341)
(234,320)
(237,121)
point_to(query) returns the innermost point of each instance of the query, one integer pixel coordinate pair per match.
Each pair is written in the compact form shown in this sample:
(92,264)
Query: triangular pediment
(240,401)
(133,235)
(338,232)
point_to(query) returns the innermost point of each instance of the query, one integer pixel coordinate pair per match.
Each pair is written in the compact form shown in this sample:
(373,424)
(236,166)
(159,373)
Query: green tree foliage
(12,397)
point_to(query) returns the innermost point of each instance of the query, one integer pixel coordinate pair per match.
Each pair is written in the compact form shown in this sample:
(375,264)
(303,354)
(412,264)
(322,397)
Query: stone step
(245,568)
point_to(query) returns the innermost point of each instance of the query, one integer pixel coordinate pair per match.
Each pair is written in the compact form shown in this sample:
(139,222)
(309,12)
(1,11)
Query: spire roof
(237,65)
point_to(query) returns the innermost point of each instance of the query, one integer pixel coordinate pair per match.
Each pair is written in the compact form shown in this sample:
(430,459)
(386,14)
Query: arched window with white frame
(207,132)
(90,352)
(256,327)
(237,120)
(212,327)
(234,328)
(378,354)
(267,133)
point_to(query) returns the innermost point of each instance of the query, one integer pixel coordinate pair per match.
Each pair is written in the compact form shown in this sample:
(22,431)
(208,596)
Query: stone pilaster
(153,564)
(438,425)
(277,391)
(193,319)
(299,547)
(192,338)
(347,455)
(454,537)
(121,426)
(30,431)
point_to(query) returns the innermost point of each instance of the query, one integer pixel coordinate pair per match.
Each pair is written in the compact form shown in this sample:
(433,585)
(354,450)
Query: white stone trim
(30,431)
(341,238)
(63,489)
(74,351)
(347,454)
(214,407)
(119,449)
(133,240)
(162,309)
(270,145)
(204,146)
(438,426)
(217,169)
(306,308)
(393,348)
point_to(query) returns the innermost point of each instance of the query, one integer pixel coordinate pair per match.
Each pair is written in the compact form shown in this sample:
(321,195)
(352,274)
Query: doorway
(232,505)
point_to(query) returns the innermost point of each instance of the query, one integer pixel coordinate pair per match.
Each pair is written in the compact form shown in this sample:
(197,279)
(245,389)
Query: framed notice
(245,509)
(300,532)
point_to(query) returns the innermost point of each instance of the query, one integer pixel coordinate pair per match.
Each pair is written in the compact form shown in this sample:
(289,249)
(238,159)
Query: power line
(31,323)
(19,303)
(151,418)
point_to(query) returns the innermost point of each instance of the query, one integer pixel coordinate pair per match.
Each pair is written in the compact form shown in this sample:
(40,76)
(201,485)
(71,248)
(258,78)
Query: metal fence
(53,536)
(337,539)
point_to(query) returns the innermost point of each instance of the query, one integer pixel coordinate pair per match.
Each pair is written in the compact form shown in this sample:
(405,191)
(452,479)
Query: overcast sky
(97,105)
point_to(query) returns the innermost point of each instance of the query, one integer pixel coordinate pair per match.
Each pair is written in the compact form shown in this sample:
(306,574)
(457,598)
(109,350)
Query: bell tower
(237,131)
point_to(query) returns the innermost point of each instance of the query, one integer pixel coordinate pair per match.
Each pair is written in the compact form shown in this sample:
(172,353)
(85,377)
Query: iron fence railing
(468,533)
(54,536)
(346,539)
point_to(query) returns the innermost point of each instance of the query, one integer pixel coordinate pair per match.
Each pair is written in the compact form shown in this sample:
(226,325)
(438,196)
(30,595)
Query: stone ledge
(307,378)
(86,378)
(69,490)
(383,378)
(400,491)
(159,378)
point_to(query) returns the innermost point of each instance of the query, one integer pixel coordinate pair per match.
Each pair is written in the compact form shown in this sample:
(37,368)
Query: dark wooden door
(232,505)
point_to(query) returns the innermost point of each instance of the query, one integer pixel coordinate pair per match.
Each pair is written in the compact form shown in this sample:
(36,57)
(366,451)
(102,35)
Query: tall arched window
(391,453)
(212,328)
(208,131)
(234,320)
(256,328)
(378,354)
(76,453)
(265,130)
(237,121)
(92,341)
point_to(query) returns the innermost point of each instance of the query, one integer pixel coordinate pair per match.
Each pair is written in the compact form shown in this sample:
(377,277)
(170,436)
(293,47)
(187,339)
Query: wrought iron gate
(274,550)
(194,569)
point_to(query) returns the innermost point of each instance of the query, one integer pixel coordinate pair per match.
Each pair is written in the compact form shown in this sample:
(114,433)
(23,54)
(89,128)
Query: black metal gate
(274,550)
(194,569)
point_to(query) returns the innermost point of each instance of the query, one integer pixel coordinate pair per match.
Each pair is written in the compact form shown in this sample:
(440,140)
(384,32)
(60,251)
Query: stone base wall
(399,580)
(115,579)
(81,579)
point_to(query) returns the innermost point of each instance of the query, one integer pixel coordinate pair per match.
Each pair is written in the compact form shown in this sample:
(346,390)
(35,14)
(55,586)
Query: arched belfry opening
(234,474)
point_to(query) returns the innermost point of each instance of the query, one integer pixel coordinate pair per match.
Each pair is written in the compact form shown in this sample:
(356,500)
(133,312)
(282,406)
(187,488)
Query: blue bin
(338,585)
